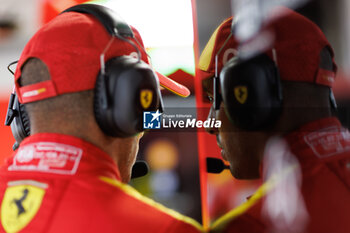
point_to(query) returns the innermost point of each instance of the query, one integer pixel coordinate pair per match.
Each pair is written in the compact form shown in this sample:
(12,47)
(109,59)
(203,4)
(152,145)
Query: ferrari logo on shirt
(146,97)
(19,205)
(241,94)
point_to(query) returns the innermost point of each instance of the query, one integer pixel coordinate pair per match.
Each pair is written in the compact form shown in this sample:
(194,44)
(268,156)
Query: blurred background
(174,32)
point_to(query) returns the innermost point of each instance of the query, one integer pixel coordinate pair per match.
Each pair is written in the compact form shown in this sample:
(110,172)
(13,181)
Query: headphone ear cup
(20,126)
(251,91)
(122,95)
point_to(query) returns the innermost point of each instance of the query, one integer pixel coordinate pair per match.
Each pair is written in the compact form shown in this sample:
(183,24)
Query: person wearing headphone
(84,80)
(273,95)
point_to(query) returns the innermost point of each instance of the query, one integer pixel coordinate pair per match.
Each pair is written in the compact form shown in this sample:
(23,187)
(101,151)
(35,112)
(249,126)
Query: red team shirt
(322,149)
(59,183)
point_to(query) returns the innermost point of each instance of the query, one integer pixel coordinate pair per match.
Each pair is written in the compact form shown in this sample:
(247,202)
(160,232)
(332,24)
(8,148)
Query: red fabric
(184,78)
(76,200)
(297,41)
(325,77)
(323,150)
(36,91)
(227,52)
(70,45)
(167,82)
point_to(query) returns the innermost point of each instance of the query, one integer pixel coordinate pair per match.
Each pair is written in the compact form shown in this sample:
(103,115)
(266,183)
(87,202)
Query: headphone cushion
(117,106)
(20,126)
(25,119)
(99,111)
(251,91)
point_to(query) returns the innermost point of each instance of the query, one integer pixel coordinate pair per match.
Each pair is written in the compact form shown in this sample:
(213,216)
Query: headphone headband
(114,23)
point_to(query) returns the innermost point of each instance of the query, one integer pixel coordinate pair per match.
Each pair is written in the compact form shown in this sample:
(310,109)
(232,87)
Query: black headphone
(125,86)
(18,119)
(251,90)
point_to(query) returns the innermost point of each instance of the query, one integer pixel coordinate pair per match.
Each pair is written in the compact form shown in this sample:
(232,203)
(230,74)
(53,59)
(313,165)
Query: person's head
(258,100)
(59,80)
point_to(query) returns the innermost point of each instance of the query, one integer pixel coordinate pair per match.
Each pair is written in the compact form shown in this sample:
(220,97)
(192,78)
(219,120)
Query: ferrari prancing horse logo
(146,97)
(241,94)
(19,205)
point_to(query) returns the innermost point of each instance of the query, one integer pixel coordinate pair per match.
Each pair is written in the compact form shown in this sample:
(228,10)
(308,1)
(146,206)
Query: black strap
(113,23)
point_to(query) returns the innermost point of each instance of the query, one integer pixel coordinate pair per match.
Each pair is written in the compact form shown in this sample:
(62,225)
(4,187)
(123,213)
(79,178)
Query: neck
(302,103)
(293,118)
(88,130)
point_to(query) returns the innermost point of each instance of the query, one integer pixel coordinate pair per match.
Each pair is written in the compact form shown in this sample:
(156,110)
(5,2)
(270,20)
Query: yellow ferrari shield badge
(241,94)
(19,205)
(146,97)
